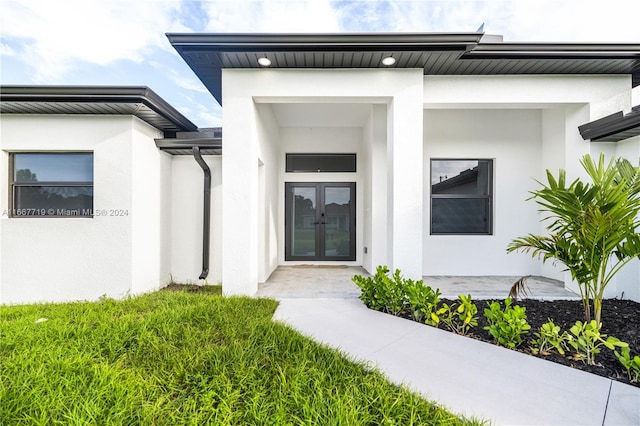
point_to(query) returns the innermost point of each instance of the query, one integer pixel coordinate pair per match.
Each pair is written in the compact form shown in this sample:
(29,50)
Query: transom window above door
(320,163)
(461,196)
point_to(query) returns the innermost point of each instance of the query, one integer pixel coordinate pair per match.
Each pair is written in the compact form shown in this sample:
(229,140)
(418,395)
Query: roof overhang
(208,140)
(139,101)
(613,128)
(435,53)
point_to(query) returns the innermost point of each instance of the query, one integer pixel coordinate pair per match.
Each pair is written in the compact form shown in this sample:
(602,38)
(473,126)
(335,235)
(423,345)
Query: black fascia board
(324,42)
(94,94)
(607,128)
(169,144)
(555,51)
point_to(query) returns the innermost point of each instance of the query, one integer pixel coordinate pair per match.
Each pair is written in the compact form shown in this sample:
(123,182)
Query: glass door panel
(337,219)
(303,215)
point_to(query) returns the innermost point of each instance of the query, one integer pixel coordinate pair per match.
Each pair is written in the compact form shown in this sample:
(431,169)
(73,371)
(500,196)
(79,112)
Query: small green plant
(632,365)
(386,293)
(550,338)
(587,340)
(423,300)
(507,326)
(380,292)
(459,317)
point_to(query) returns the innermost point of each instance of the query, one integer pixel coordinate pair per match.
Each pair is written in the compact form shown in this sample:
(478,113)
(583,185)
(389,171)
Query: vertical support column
(239,197)
(378,188)
(405,161)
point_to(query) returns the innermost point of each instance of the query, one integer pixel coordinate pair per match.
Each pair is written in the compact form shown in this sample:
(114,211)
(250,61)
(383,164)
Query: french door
(320,221)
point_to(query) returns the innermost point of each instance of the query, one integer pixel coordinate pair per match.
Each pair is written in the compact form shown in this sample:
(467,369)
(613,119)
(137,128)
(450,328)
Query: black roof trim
(185,146)
(612,128)
(209,140)
(437,53)
(134,100)
(311,42)
(556,50)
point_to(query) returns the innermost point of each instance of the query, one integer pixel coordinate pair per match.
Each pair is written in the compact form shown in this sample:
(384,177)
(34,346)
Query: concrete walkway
(467,376)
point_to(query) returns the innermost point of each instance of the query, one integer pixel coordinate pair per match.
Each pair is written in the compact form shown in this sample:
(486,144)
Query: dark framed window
(461,196)
(51,184)
(316,163)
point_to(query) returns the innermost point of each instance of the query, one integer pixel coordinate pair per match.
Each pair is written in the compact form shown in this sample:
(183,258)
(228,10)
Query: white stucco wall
(512,138)
(61,259)
(523,91)
(186,205)
(149,216)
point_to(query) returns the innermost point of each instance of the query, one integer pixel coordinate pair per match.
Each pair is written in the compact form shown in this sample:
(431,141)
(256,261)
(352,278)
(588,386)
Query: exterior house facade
(415,151)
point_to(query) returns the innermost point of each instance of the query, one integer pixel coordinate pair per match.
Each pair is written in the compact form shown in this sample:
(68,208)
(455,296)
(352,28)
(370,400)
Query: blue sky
(122,42)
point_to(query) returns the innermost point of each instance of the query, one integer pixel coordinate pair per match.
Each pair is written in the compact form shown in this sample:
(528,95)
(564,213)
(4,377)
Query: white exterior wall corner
(405,141)
(240,192)
(63,259)
(149,220)
(374,182)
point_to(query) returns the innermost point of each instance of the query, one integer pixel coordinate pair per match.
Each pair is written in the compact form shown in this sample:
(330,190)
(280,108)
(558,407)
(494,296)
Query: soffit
(435,53)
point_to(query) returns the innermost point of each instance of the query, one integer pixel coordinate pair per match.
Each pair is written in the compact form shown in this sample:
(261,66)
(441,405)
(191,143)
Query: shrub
(381,292)
(550,338)
(460,317)
(507,326)
(395,294)
(587,340)
(632,365)
(423,300)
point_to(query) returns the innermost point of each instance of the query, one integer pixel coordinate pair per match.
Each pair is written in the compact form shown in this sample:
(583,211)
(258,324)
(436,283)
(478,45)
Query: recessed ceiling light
(265,62)
(388,61)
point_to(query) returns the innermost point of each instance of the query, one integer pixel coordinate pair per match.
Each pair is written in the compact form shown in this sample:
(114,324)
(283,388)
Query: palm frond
(519,288)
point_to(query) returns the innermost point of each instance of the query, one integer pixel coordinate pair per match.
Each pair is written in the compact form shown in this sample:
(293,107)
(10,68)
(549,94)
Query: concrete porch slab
(310,281)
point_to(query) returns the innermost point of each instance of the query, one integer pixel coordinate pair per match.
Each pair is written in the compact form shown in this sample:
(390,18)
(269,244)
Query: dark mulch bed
(620,318)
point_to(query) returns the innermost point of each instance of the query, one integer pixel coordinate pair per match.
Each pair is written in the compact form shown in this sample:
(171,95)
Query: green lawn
(185,358)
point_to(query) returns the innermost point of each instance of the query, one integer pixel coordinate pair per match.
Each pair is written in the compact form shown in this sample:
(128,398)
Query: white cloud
(186,80)
(56,35)
(517,20)
(270,16)
(5,49)
(207,115)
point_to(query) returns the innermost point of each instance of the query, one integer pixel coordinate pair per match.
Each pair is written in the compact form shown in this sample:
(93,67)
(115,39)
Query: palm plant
(593,227)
